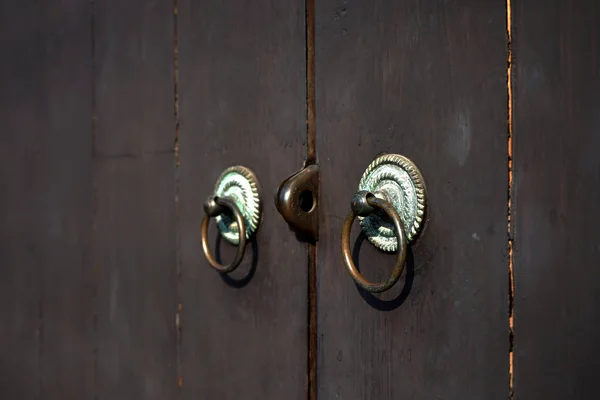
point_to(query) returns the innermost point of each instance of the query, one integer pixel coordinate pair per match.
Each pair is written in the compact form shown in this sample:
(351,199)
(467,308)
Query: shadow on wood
(244,280)
(373,300)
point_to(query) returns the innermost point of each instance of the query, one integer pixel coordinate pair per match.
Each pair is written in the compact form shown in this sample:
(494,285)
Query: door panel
(134,249)
(426,80)
(555,199)
(46,301)
(242,101)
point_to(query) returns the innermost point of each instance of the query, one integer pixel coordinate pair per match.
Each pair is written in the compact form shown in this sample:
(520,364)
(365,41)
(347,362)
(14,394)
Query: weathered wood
(555,199)
(46,311)
(242,101)
(134,183)
(427,80)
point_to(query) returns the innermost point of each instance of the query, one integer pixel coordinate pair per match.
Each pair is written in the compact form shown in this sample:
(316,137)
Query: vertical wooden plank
(555,199)
(46,311)
(242,101)
(134,236)
(426,80)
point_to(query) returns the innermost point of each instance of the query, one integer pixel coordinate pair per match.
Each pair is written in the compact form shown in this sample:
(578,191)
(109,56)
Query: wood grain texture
(426,80)
(46,311)
(555,199)
(242,101)
(134,182)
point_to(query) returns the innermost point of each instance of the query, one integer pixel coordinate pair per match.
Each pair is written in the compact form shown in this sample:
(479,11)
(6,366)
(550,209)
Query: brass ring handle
(363,204)
(213,207)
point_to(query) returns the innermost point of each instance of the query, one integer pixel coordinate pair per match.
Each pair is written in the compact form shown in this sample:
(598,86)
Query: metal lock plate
(296,201)
(396,179)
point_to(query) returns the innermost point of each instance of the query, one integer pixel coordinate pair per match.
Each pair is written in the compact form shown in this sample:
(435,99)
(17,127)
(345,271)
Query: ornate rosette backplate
(240,184)
(396,179)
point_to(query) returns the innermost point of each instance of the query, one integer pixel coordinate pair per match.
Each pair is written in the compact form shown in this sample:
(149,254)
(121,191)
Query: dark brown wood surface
(426,80)
(46,311)
(134,189)
(117,117)
(242,101)
(555,199)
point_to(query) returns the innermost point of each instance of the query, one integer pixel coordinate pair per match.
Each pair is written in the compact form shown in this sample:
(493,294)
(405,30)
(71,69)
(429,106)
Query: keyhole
(306,201)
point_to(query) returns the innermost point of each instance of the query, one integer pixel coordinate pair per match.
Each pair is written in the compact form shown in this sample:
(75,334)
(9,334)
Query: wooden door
(426,80)
(554,196)
(118,116)
(241,100)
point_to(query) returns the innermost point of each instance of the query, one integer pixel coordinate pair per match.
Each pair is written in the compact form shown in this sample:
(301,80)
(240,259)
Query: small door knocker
(236,206)
(392,184)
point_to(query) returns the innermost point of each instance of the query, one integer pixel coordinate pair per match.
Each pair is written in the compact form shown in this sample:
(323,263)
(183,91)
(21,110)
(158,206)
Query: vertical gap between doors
(311,158)
(311,146)
(177,181)
(511,280)
(94,197)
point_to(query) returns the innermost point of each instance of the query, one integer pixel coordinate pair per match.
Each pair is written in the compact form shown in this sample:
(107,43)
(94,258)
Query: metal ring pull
(237,208)
(364,204)
(393,184)
(213,207)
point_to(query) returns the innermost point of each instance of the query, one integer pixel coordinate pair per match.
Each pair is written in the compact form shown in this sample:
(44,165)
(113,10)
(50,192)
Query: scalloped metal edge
(421,193)
(252,215)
